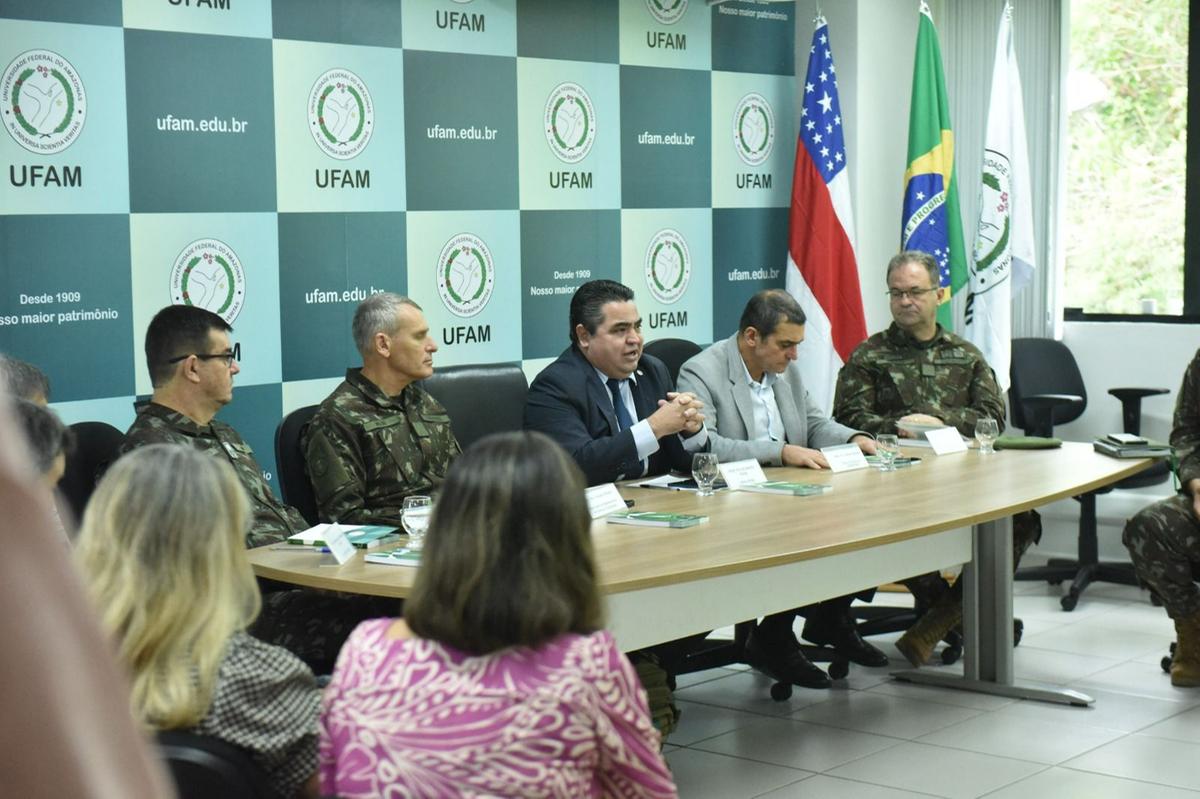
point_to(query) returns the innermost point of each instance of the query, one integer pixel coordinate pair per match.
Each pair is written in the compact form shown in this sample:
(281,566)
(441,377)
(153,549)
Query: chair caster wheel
(1018,631)
(781,691)
(838,669)
(1069,602)
(1168,659)
(951,654)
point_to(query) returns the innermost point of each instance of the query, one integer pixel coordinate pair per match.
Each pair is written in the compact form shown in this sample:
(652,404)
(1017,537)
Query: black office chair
(297,491)
(674,352)
(1047,389)
(96,447)
(204,767)
(480,399)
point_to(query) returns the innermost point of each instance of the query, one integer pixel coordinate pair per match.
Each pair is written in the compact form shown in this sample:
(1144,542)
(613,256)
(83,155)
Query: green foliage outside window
(1127,144)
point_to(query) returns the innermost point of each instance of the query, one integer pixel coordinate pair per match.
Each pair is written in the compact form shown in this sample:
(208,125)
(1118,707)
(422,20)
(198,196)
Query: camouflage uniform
(367,451)
(1164,538)
(891,375)
(157,424)
(313,625)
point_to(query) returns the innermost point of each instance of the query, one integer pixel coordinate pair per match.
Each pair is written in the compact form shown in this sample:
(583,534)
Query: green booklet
(363,536)
(784,487)
(655,519)
(397,557)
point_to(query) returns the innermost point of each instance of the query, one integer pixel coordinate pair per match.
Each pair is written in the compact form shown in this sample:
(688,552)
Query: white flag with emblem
(1003,259)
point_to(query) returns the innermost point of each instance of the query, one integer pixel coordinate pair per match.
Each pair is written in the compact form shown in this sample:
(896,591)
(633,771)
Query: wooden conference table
(763,553)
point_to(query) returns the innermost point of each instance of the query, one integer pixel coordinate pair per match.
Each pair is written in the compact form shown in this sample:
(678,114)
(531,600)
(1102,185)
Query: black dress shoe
(784,661)
(843,636)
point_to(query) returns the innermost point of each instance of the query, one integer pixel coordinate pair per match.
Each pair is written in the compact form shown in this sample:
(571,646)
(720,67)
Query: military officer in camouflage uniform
(191,368)
(1164,538)
(917,371)
(379,437)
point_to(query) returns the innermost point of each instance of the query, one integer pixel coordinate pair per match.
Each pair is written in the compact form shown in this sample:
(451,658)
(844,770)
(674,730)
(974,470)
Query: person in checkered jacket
(162,554)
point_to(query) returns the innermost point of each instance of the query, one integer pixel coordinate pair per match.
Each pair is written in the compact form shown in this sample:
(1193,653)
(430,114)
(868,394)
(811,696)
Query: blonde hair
(161,550)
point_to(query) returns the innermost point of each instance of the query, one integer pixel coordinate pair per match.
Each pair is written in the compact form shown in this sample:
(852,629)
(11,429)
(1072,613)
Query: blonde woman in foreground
(500,680)
(162,555)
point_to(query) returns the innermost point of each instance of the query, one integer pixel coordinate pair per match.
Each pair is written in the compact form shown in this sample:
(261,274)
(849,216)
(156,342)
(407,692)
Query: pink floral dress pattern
(415,718)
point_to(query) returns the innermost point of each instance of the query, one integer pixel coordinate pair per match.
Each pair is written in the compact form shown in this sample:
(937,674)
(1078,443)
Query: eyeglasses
(227,357)
(915,294)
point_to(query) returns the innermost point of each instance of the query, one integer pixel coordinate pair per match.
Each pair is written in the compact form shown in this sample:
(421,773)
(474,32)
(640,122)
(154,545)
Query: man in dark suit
(616,411)
(613,408)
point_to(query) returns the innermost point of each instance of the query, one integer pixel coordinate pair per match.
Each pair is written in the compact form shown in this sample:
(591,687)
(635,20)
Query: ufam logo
(44,102)
(668,266)
(208,274)
(466,274)
(341,116)
(570,121)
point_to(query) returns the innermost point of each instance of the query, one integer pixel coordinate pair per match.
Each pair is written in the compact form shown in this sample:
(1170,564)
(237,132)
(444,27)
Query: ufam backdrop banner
(277,162)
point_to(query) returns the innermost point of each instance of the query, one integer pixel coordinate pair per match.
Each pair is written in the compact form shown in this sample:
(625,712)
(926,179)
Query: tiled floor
(873,738)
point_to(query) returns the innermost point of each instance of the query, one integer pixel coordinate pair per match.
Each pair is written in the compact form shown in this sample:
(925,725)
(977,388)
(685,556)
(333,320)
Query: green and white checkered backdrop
(277,162)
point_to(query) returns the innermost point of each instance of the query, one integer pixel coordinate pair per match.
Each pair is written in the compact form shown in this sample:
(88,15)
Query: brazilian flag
(931,221)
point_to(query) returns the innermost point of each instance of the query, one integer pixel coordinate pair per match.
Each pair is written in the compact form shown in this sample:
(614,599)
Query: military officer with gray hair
(1164,538)
(379,437)
(917,371)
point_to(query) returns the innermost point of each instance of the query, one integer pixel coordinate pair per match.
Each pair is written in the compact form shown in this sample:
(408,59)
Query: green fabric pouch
(1027,442)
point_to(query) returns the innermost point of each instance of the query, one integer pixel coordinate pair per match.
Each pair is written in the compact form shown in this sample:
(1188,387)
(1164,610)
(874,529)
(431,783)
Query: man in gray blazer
(757,407)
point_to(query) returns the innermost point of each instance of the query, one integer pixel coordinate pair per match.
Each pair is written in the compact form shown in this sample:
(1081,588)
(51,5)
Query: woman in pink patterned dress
(499,681)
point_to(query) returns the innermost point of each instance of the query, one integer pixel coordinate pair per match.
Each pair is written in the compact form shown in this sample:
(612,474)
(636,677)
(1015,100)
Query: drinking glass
(887,446)
(986,431)
(705,472)
(415,517)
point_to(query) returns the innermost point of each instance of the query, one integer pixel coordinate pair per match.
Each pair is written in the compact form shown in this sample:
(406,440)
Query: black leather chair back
(674,352)
(289,460)
(480,399)
(1044,366)
(96,446)
(204,768)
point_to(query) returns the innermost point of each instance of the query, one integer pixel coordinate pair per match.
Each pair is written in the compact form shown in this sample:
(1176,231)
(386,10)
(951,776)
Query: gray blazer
(718,377)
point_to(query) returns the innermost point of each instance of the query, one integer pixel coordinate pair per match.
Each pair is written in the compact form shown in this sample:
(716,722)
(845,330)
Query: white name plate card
(338,543)
(739,473)
(603,500)
(946,440)
(845,457)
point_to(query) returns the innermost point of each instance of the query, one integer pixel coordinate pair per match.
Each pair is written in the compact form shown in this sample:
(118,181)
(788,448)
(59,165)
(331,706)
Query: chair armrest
(1136,393)
(1039,411)
(1131,405)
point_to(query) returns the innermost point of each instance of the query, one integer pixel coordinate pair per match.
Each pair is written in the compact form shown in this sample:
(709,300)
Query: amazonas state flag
(822,273)
(930,221)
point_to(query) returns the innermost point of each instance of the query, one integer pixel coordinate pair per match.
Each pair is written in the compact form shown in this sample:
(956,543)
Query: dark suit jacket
(568,402)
